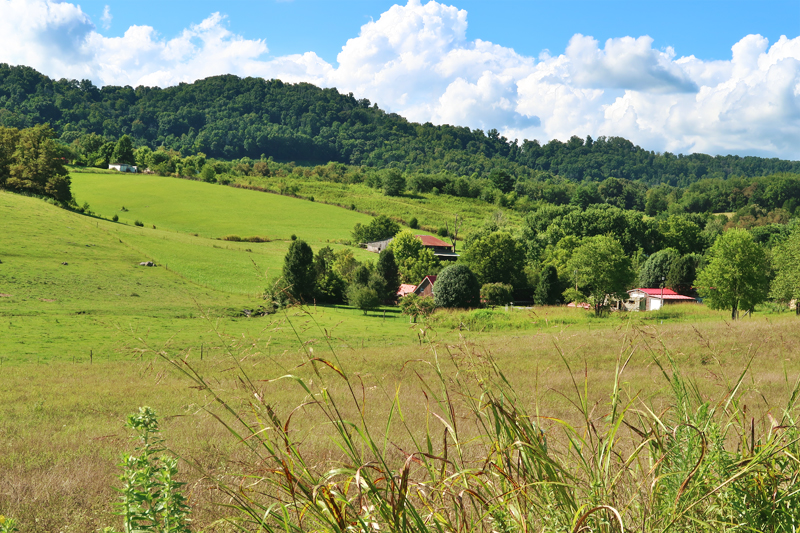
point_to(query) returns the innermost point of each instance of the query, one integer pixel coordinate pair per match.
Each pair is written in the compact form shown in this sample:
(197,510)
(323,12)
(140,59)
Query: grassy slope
(104,302)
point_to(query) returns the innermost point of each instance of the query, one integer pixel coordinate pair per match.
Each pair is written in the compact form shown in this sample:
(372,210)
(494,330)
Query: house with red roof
(425,287)
(653,299)
(405,289)
(440,249)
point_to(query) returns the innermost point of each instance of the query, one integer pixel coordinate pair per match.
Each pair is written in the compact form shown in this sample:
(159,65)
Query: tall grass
(477,460)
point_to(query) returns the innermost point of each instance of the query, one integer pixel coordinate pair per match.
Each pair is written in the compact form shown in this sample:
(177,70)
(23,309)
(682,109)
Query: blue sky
(708,76)
(704,28)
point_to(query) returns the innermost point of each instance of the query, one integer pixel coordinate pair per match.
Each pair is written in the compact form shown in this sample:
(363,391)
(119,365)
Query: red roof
(668,294)
(427,240)
(405,288)
(431,280)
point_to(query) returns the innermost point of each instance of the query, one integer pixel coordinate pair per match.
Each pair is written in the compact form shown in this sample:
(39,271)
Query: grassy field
(62,413)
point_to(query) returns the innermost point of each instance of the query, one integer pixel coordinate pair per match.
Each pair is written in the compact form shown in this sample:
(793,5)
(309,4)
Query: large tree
(414,261)
(379,228)
(387,269)
(600,269)
(737,274)
(123,151)
(786,285)
(654,271)
(36,165)
(497,258)
(457,286)
(298,271)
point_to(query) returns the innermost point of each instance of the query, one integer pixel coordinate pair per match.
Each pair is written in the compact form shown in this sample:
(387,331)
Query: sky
(711,76)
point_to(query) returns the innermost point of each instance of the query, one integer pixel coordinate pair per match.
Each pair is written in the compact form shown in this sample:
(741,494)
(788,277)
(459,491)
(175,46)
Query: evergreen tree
(298,270)
(387,269)
(548,290)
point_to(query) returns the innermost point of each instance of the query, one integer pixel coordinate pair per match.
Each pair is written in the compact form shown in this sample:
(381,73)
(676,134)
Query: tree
(9,137)
(600,269)
(682,274)
(786,285)
(736,276)
(36,166)
(654,271)
(380,228)
(363,297)
(414,261)
(123,151)
(497,258)
(298,270)
(502,180)
(393,182)
(456,286)
(330,287)
(413,305)
(549,289)
(387,269)
(493,294)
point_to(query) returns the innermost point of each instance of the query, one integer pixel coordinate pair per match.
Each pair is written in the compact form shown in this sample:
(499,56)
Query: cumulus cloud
(417,61)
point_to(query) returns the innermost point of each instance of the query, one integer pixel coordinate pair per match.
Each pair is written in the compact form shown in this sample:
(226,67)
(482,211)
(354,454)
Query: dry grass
(61,425)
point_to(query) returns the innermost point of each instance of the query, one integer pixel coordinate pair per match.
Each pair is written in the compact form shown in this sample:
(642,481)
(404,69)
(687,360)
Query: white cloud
(417,61)
(107,17)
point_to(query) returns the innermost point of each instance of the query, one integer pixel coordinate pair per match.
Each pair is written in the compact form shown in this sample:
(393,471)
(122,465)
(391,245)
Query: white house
(122,167)
(653,299)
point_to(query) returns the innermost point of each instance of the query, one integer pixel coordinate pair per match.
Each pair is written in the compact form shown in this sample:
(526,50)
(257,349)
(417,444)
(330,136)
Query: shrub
(442,231)
(256,238)
(497,294)
(363,297)
(413,223)
(115,218)
(293,237)
(138,223)
(234,238)
(456,286)
(412,305)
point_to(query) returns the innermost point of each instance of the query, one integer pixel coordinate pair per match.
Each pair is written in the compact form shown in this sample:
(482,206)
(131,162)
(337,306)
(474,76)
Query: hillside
(228,117)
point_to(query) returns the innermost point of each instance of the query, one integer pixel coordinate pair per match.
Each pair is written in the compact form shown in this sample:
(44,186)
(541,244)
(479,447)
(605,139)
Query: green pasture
(102,302)
(211,211)
(431,211)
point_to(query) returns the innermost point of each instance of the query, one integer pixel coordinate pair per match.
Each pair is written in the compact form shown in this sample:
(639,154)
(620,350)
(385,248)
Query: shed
(440,249)
(425,287)
(379,246)
(653,299)
(122,167)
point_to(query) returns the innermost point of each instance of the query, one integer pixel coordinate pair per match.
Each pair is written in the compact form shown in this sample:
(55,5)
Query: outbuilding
(653,299)
(122,167)
(425,287)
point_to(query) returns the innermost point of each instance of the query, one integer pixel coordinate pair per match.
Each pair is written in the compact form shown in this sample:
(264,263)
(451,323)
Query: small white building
(653,299)
(122,167)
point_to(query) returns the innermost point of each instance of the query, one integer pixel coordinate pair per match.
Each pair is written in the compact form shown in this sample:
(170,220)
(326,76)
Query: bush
(115,218)
(412,305)
(413,223)
(363,297)
(138,223)
(442,231)
(293,237)
(456,286)
(497,294)
(256,238)
(234,238)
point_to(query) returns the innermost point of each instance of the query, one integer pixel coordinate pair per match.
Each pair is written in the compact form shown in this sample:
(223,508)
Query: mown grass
(211,211)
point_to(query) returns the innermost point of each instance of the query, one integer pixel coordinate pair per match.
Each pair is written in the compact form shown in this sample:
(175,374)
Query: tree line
(227,117)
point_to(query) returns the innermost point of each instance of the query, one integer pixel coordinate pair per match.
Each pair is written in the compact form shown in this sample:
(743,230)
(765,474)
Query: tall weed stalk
(482,462)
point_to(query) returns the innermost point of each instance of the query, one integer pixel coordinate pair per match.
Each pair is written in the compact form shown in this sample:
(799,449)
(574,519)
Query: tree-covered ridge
(229,117)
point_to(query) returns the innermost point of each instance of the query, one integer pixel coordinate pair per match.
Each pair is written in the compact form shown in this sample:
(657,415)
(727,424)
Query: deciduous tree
(457,286)
(600,269)
(737,274)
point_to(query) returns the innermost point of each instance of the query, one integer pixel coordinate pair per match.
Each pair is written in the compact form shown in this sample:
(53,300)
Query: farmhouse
(653,299)
(440,249)
(425,287)
(122,167)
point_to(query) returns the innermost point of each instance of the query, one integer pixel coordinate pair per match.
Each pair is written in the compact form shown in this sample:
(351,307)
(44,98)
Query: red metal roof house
(425,287)
(653,299)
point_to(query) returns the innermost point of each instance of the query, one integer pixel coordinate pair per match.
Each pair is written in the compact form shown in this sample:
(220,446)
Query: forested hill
(229,117)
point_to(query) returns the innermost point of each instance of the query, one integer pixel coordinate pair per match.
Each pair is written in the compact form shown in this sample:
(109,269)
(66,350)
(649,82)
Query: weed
(151,496)
(8,525)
